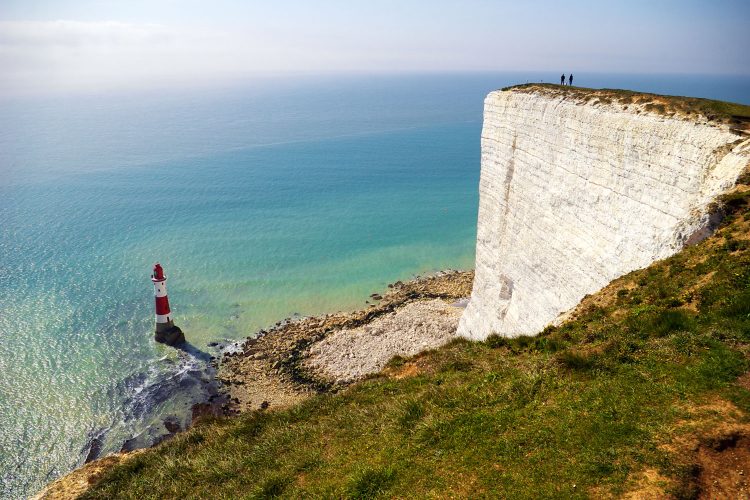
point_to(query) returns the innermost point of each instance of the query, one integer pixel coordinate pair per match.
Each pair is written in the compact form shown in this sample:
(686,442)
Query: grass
(579,410)
(731,113)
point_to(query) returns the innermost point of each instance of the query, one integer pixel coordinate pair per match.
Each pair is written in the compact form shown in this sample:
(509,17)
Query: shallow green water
(261,202)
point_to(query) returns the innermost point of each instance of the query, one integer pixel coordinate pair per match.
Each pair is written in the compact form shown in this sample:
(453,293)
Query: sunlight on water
(260,204)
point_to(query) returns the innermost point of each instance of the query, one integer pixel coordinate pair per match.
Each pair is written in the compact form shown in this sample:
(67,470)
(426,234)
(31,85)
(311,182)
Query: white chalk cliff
(576,191)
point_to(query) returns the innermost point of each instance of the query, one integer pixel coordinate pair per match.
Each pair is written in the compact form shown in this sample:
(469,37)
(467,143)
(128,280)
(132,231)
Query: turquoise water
(274,199)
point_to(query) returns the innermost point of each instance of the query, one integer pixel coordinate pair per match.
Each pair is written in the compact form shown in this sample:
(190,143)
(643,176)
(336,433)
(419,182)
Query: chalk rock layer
(574,194)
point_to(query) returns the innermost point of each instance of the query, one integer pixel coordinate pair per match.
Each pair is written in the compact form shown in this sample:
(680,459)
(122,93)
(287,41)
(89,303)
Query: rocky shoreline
(298,358)
(301,357)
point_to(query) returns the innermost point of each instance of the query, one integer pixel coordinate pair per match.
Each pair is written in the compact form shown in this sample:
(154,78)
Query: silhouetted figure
(562,79)
(570,79)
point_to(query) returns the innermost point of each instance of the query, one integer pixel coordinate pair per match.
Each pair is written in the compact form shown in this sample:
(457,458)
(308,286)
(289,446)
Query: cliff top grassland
(737,116)
(644,390)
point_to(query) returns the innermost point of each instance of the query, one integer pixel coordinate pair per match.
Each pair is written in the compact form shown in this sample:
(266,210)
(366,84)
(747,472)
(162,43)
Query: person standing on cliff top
(570,79)
(562,79)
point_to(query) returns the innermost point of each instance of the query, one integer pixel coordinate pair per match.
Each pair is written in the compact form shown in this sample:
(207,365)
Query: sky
(59,45)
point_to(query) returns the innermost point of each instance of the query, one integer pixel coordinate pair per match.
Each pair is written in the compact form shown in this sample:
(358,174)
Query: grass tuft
(371,482)
(413,412)
(576,360)
(273,487)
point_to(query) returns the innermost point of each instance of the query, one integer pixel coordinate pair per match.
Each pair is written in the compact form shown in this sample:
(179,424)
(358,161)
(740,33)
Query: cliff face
(576,192)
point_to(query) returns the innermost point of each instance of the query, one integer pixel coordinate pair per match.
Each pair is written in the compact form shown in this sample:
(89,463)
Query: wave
(156,402)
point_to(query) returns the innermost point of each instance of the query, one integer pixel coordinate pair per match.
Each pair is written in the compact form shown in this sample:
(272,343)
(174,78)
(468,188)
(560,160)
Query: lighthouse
(166,332)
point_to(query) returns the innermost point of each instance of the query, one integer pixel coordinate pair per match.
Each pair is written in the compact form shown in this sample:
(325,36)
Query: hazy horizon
(48,46)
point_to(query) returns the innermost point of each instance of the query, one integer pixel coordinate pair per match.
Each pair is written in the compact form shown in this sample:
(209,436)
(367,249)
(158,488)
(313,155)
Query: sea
(262,200)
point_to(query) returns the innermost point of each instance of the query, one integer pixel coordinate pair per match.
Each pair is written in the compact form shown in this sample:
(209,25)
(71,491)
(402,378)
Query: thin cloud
(73,54)
(181,44)
(61,33)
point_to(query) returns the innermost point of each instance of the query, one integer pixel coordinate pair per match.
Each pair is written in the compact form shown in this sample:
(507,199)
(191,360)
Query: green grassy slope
(648,364)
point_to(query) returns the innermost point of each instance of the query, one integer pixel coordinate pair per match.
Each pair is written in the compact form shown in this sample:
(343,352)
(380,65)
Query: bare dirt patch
(407,371)
(744,381)
(723,465)
(650,484)
(77,482)
(713,445)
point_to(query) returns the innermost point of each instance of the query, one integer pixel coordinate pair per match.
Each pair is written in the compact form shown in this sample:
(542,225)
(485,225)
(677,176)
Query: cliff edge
(579,187)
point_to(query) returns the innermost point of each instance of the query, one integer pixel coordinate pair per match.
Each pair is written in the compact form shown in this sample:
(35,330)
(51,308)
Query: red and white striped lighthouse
(166,332)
